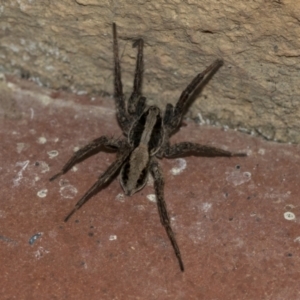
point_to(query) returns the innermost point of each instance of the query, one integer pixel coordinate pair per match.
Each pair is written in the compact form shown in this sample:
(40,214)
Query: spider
(147,131)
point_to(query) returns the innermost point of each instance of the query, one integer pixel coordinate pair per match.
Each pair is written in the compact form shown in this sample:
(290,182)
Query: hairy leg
(122,115)
(140,106)
(185,148)
(103,179)
(91,148)
(162,208)
(138,78)
(176,116)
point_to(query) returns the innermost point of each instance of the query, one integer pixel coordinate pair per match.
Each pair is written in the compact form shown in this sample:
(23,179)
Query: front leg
(138,77)
(122,114)
(162,207)
(91,148)
(185,148)
(179,109)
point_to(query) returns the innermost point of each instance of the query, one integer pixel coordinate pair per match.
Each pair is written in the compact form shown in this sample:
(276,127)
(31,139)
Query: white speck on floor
(112,237)
(181,166)
(151,197)
(23,165)
(42,193)
(42,140)
(206,206)
(237,177)
(289,216)
(120,197)
(52,153)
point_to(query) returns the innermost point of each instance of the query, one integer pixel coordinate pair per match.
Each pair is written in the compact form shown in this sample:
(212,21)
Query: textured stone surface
(68,45)
(228,214)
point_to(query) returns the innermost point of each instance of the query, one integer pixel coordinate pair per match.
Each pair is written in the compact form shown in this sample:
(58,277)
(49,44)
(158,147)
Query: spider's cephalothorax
(145,136)
(147,133)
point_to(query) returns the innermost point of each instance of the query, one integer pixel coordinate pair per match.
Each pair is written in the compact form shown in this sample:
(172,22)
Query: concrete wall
(68,45)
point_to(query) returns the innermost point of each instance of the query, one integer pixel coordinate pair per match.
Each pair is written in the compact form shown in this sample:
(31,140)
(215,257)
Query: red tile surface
(228,213)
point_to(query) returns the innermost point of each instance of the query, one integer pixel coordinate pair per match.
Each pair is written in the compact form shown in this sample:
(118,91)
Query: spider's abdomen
(134,172)
(145,136)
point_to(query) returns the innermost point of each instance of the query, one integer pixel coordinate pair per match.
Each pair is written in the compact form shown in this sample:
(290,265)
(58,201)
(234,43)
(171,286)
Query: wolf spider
(147,131)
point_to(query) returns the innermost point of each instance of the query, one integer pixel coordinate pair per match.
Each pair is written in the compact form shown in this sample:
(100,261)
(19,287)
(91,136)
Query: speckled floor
(237,220)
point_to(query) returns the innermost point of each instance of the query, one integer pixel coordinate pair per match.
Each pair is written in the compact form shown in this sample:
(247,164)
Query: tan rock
(68,45)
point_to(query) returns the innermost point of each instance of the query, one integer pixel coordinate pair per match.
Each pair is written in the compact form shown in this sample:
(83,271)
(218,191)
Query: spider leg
(179,109)
(185,148)
(162,208)
(140,106)
(138,78)
(168,114)
(91,148)
(103,179)
(122,115)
